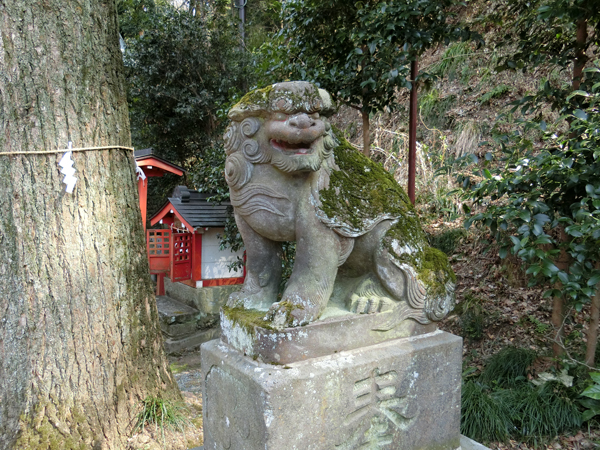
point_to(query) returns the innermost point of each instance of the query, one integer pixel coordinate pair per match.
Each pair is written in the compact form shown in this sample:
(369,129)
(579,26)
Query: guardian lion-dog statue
(358,239)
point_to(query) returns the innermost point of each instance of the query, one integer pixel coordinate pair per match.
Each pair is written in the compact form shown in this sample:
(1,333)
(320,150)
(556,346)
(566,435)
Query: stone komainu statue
(359,243)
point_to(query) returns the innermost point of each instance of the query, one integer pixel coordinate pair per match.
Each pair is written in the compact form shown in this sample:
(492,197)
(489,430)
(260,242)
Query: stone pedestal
(399,394)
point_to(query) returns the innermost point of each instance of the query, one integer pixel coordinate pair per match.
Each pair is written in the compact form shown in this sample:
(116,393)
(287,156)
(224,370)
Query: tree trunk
(563,261)
(80,344)
(557,321)
(366,134)
(580,57)
(592,334)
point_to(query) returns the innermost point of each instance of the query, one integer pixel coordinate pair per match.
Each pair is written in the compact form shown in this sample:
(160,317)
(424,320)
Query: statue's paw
(287,314)
(235,300)
(370,305)
(278,316)
(243,299)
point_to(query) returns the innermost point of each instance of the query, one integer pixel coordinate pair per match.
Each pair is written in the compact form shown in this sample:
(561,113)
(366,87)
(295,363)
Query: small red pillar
(143,190)
(197,257)
(160,283)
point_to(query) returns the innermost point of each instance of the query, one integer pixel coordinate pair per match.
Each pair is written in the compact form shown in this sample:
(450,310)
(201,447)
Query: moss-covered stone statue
(359,241)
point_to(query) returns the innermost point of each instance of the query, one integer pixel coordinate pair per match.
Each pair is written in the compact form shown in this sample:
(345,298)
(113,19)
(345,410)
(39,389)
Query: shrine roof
(148,157)
(194,209)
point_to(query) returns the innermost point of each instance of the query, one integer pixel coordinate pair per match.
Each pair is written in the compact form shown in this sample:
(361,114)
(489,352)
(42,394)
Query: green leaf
(580,114)
(589,413)
(592,392)
(541,218)
(525,215)
(578,92)
(563,277)
(593,280)
(588,403)
(549,269)
(575,269)
(542,239)
(595,376)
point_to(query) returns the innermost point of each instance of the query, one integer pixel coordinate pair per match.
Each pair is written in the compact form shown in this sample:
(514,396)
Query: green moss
(432,267)
(247,318)
(45,436)
(435,266)
(257,97)
(178,368)
(362,190)
(287,307)
(407,231)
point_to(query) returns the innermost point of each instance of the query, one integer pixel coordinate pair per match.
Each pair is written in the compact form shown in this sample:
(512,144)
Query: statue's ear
(329,106)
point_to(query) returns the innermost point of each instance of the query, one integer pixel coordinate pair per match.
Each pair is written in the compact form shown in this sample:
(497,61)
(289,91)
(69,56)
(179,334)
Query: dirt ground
(186,369)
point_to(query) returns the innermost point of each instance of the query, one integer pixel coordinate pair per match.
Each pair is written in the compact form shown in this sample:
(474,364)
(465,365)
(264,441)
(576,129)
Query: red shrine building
(185,247)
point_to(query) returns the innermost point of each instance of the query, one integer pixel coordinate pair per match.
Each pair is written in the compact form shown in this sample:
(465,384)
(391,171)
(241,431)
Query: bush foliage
(538,190)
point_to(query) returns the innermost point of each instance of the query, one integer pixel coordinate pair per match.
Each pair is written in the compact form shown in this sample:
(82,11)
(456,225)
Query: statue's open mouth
(301,148)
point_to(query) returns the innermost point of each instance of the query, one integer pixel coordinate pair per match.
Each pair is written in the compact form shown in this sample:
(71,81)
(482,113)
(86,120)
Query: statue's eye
(314,116)
(280,116)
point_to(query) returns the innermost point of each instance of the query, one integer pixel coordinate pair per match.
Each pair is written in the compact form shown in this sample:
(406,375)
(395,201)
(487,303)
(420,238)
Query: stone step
(173,311)
(194,340)
(184,327)
(177,320)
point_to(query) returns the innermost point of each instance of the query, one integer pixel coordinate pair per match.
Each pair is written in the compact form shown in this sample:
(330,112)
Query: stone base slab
(247,332)
(400,394)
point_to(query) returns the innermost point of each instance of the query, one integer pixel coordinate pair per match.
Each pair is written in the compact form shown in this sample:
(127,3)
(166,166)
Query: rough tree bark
(79,337)
(592,333)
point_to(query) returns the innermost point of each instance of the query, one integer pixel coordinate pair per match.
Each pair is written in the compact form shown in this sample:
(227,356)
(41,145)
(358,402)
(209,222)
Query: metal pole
(412,132)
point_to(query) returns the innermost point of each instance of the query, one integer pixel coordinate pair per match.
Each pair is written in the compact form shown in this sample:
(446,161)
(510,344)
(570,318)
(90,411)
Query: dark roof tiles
(197,211)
